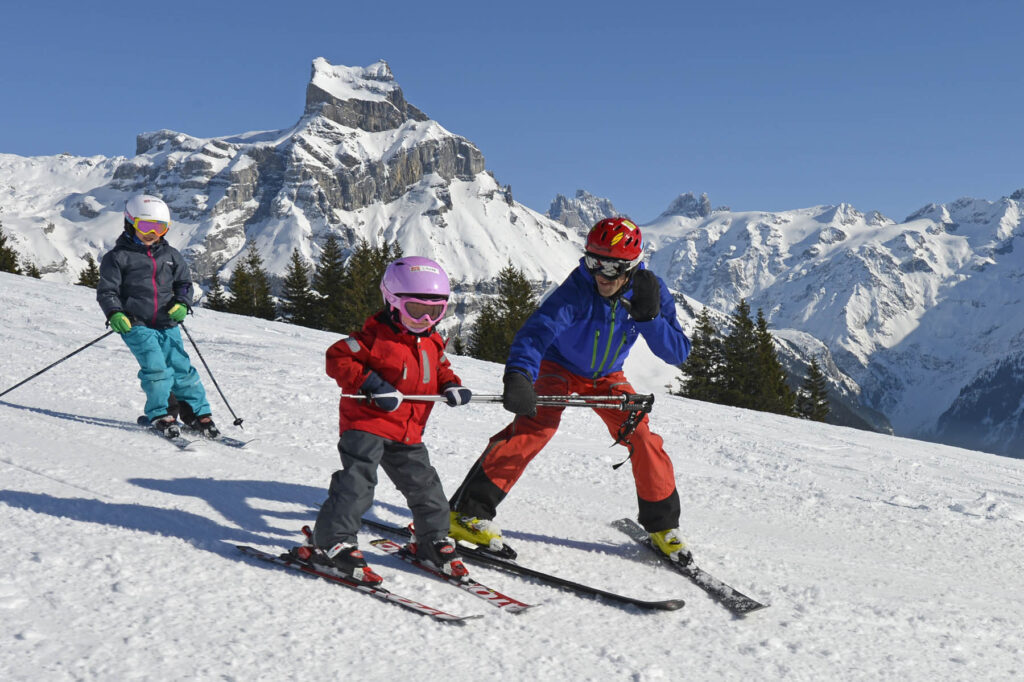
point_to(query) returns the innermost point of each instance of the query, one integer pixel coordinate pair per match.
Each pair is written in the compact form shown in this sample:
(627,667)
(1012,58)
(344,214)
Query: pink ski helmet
(417,287)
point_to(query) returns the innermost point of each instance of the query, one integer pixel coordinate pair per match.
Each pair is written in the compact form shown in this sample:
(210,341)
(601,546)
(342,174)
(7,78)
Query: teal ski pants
(164,367)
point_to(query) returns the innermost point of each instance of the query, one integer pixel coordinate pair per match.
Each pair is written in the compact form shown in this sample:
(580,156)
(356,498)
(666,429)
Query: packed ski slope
(882,558)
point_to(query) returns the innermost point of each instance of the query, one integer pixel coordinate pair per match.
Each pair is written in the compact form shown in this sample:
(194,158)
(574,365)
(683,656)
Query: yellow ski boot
(480,532)
(672,546)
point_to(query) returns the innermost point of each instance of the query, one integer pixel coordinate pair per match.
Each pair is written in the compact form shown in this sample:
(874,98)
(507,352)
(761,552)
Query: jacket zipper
(611,339)
(156,294)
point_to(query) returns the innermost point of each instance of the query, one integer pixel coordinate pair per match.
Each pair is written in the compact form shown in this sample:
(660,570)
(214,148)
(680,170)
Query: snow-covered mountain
(882,558)
(917,321)
(924,315)
(360,163)
(582,211)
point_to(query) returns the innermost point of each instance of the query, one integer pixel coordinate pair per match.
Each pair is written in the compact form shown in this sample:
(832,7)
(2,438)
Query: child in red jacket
(396,353)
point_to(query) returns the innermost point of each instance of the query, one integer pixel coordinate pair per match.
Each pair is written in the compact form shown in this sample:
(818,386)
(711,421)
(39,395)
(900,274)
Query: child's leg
(409,468)
(188,387)
(351,491)
(155,376)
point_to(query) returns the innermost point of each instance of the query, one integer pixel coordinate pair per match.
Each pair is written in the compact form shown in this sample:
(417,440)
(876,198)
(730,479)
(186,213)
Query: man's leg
(653,472)
(510,451)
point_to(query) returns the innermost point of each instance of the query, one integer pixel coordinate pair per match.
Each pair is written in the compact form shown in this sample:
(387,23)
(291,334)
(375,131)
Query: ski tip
(456,620)
(664,605)
(746,610)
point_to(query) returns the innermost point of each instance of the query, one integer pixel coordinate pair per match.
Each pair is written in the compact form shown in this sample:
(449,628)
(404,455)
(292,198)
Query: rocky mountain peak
(366,98)
(582,211)
(689,206)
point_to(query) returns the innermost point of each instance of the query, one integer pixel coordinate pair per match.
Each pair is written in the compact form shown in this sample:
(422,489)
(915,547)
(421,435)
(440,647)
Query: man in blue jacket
(576,342)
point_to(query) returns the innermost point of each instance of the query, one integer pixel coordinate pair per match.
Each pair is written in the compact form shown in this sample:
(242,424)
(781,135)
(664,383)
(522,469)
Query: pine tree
(500,319)
(329,283)
(30,269)
(363,273)
(812,398)
(458,346)
(704,365)
(739,351)
(8,256)
(250,287)
(298,302)
(773,394)
(90,277)
(216,299)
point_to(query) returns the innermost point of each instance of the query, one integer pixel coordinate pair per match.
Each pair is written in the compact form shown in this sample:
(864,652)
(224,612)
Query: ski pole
(48,367)
(238,420)
(630,402)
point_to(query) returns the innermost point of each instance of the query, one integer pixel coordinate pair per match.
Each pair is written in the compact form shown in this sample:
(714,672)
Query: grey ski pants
(351,491)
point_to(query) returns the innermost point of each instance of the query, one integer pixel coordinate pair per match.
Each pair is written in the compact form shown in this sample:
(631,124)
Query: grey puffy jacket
(143,282)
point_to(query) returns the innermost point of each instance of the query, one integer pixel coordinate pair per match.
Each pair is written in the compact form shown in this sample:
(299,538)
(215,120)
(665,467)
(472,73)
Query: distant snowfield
(881,557)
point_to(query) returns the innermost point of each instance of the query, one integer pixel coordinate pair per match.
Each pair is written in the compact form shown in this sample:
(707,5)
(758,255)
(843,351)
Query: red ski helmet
(614,245)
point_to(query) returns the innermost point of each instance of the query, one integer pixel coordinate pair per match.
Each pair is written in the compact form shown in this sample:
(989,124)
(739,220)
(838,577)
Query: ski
(490,559)
(180,441)
(294,563)
(226,441)
(736,602)
(223,440)
(475,588)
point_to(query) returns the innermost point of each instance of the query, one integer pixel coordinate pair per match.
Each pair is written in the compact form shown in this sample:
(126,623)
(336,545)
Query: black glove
(381,393)
(645,305)
(456,395)
(519,396)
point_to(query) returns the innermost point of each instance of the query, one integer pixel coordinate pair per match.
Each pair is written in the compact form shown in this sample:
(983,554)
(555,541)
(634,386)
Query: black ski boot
(342,559)
(441,556)
(166,426)
(204,426)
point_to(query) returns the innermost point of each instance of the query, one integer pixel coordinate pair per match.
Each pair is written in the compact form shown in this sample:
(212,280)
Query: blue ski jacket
(590,335)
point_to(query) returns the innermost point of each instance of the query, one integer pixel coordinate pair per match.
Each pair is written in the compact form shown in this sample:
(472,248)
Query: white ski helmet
(148,211)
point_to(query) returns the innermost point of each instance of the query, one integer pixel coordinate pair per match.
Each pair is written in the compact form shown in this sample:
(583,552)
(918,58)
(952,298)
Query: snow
(881,557)
(371,83)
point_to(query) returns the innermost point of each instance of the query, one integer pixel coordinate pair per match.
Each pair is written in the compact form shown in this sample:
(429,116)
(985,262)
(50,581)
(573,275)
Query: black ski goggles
(610,268)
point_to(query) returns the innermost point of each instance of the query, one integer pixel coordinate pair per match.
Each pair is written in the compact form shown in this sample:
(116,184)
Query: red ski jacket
(415,365)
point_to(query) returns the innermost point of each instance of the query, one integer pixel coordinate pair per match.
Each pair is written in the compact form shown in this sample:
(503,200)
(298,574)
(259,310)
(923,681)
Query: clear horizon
(762,107)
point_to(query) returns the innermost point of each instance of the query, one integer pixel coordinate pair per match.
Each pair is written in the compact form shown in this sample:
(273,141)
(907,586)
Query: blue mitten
(381,393)
(456,395)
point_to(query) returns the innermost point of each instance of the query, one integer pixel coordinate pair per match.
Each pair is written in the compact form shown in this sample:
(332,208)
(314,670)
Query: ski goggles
(146,226)
(610,268)
(423,309)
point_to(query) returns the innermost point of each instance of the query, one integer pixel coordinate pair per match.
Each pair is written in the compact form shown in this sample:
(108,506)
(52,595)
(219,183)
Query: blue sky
(764,106)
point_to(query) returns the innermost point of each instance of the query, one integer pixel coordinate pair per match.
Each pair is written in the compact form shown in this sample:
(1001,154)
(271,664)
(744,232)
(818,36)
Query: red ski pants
(510,451)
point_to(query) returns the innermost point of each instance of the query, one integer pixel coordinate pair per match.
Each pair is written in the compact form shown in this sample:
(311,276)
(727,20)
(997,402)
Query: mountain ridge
(362,163)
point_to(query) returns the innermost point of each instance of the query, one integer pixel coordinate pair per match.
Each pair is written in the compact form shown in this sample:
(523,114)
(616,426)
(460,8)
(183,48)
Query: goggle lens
(612,268)
(157,227)
(417,310)
(420,309)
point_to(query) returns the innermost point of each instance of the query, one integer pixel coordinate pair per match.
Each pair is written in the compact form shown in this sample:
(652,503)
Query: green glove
(120,323)
(178,312)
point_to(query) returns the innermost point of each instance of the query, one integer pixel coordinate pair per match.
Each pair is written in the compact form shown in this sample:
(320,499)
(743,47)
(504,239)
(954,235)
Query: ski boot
(672,546)
(343,559)
(166,426)
(204,426)
(440,555)
(481,532)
